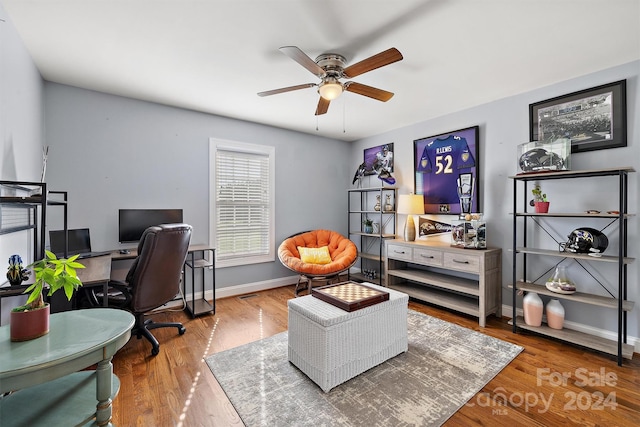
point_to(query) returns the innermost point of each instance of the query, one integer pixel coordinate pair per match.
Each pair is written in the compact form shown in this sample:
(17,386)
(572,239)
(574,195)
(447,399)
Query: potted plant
(31,320)
(539,201)
(368,225)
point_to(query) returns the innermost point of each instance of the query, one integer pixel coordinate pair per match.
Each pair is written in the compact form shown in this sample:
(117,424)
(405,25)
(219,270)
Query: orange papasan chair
(317,256)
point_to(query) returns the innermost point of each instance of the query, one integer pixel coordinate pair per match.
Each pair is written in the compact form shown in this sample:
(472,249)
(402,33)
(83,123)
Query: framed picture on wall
(594,119)
(378,158)
(446,171)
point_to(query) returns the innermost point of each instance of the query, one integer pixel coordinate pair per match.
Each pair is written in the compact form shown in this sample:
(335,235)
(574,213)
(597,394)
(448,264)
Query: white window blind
(243,205)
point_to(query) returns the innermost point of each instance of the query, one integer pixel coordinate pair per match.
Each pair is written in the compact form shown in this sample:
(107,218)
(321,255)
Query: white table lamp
(410,204)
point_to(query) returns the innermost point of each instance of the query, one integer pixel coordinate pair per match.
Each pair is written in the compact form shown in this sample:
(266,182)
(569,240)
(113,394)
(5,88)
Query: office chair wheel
(182,330)
(155,351)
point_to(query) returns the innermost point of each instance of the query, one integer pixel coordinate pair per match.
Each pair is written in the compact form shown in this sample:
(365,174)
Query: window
(242,202)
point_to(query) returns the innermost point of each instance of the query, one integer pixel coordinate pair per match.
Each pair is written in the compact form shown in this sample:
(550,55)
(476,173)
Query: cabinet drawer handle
(398,252)
(461,262)
(427,256)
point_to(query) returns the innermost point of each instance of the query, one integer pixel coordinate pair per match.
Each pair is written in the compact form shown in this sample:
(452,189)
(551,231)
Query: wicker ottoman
(331,345)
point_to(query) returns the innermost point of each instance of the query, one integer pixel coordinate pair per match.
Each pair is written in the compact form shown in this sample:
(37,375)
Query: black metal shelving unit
(371,251)
(34,199)
(202,258)
(521,220)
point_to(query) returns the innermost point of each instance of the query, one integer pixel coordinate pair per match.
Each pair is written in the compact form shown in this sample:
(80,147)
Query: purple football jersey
(441,163)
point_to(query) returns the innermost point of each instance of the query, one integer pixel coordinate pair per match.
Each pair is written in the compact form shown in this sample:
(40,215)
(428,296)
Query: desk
(40,367)
(97,272)
(204,262)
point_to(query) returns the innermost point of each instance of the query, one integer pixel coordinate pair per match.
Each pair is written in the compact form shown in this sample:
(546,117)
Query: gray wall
(111,152)
(20,133)
(504,124)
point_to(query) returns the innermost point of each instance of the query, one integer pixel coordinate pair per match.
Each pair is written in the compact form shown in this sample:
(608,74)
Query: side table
(42,373)
(331,345)
(200,305)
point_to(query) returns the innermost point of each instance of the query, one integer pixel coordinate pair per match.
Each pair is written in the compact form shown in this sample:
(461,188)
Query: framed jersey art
(446,171)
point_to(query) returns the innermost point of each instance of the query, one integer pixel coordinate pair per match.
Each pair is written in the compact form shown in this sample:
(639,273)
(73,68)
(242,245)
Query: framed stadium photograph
(447,171)
(378,158)
(594,119)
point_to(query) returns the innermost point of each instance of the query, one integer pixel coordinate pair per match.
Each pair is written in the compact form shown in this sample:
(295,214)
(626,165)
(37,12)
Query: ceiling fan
(330,68)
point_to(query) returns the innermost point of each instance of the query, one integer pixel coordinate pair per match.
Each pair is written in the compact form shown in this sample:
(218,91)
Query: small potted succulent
(539,201)
(368,225)
(31,320)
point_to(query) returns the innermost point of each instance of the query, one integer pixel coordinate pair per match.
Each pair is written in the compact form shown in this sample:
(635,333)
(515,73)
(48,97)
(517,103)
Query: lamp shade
(410,204)
(330,90)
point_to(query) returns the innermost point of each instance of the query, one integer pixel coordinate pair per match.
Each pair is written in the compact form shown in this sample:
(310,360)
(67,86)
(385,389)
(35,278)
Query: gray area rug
(445,366)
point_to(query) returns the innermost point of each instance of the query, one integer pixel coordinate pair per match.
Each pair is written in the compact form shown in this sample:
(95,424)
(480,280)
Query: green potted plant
(31,320)
(368,225)
(539,201)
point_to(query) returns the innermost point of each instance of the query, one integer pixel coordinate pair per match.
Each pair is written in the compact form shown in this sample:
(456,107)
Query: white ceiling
(216,55)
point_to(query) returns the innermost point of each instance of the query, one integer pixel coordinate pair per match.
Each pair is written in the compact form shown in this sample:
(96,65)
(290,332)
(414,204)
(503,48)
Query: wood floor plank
(176,388)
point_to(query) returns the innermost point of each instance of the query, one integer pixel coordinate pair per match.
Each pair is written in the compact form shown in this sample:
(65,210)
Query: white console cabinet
(464,280)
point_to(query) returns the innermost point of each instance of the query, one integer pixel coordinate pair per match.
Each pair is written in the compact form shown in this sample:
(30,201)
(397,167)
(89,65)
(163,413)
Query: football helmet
(385,176)
(585,240)
(539,159)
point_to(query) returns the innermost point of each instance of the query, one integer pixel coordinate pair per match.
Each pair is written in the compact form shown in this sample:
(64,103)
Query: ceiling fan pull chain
(344,116)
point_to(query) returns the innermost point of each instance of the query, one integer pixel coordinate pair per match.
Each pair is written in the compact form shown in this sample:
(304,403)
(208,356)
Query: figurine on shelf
(377,206)
(16,274)
(370,274)
(359,173)
(388,206)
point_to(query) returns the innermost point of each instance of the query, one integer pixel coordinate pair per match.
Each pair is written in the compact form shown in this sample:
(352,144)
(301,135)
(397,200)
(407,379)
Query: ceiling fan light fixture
(330,90)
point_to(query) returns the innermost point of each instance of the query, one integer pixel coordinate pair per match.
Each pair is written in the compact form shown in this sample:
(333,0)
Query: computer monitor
(79,241)
(133,222)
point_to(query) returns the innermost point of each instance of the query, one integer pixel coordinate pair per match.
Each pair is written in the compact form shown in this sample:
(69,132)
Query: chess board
(350,296)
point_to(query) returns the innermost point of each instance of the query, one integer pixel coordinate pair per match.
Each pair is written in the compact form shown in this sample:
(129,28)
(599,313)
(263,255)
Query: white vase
(555,314)
(532,307)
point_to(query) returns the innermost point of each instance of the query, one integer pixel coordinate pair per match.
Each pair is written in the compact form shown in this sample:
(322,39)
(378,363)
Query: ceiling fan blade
(303,59)
(323,106)
(371,92)
(387,57)
(286,89)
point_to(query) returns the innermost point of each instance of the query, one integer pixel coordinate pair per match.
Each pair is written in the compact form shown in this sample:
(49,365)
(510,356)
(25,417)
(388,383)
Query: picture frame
(594,119)
(447,171)
(375,159)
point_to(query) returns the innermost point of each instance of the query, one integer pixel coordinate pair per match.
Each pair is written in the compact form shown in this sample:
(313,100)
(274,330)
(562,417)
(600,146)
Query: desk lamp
(410,204)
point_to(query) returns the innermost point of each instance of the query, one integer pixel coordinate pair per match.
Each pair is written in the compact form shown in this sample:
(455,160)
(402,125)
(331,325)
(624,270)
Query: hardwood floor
(176,388)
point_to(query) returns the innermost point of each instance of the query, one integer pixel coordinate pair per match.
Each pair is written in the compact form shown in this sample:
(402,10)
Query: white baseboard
(231,291)
(507,311)
(248,288)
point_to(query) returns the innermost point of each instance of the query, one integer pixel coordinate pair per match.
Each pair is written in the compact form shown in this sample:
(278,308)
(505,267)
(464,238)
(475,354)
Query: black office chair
(154,278)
